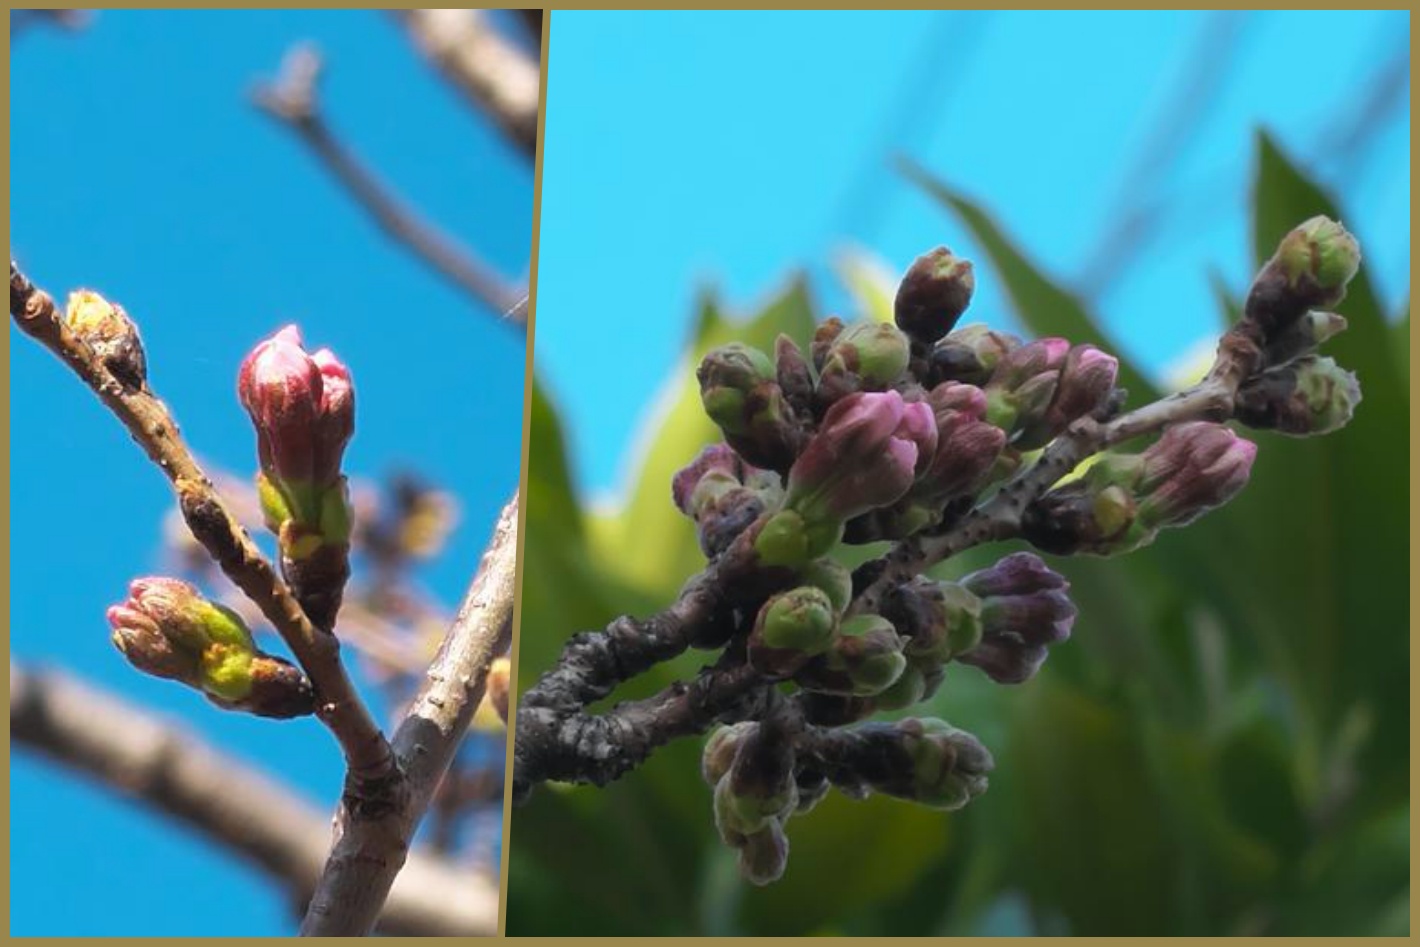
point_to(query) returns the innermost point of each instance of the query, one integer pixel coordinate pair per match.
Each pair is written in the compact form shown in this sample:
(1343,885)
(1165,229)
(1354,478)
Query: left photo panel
(268,344)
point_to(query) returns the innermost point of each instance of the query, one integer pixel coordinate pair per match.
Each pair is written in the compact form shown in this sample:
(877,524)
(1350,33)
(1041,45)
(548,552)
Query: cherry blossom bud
(824,336)
(1025,608)
(866,356)
(967,445)
(790,629)
(1024,385)
(866,454)
(864,659)
(949,766)
(720,750)
(280,387)
(936,619)
(166,628)
(1307,396)
(107,330)
(1310,270)
(933,294)
(1086,382)
(740,393)
(1193,468)
(764,854)
(970,354)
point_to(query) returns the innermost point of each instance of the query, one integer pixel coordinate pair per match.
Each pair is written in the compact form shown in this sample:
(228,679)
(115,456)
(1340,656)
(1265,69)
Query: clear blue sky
(139,169)
(686,149)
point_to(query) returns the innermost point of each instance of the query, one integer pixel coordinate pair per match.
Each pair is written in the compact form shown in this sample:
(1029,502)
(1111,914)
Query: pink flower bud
(303,408)
(865,455)
(1192,469)
(967,445)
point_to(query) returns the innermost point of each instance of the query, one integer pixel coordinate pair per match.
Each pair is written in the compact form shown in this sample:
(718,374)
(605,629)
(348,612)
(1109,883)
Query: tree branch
(372,775)
(291,100)
(369,853)
(491,72)
(225,800)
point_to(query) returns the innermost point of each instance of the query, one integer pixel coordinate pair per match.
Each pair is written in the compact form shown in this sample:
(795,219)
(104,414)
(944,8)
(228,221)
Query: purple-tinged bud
(1304,336)
(790,629)
(764,855)
(864,659)
(718,459)
(933,294)
(792,371)
(967,445)
(1025,608)
(740,393)
(970,354)
(825,335)
(166,628)
(1086,383)
(866,356)
(106,328)
(1310,270)
(789,539)
(1193,468)
(1024,385)
(866,454)
(1307,396)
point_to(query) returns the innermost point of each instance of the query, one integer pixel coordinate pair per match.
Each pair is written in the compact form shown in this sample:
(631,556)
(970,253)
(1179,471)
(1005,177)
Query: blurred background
(140,167)
(1223,746)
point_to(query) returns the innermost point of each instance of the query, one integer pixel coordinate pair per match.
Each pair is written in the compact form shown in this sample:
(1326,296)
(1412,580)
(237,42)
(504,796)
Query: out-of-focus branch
(225,800)
(491,71)
(369,852)
(22,20)
(291,100)
(372,775)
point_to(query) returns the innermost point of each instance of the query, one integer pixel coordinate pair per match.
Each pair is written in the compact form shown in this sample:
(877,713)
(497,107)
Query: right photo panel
(967,477)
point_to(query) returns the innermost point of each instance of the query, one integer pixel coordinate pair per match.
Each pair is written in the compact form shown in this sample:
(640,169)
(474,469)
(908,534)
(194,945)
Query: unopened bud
(1310,270)
(1094,514)
(833,578)
(1304,336)
(936,619)
(792,371)
(866,356)
(970,354)
(967,444)
(1193,468)
(1024,385)
(740,393)
(1025,608)
(113,336)
(1086,382)
(1310,395)
(865,659)
(764,854)
(790,629)
(866,454)
(824,336)
(720,749)
(950,766)
(933,294)
(166,628)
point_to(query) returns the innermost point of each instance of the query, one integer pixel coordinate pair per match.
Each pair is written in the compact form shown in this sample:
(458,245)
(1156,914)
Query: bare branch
(372,774)
(291,100)
(369,852)
(491,72)
(225,800)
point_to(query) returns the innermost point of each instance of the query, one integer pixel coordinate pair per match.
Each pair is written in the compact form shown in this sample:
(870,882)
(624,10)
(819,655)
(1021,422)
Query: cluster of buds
(167,629)
(303,408)
(898,432)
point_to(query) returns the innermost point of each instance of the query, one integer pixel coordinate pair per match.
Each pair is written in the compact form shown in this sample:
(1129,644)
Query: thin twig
(226,800)
(291,100)
(491,72)
(372,774)
(368,853)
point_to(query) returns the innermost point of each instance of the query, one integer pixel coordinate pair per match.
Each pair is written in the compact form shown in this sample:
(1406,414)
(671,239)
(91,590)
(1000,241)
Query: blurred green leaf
(1043,307)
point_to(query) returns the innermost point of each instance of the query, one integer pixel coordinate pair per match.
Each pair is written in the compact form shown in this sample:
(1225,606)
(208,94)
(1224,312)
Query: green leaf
(648,542)
(1043,306)
(869,282)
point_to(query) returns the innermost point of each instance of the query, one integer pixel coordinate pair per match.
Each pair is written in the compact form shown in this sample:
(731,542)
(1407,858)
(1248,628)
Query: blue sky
(139,169)
(692,149)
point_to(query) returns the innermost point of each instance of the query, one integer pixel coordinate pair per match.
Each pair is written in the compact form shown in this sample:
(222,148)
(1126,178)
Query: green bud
(907,690)
(866,356)
(949,765)
(833,578)
(791,628)
(970,354)
(1310,395)
(786,539)
(1310,270)
(865,659)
